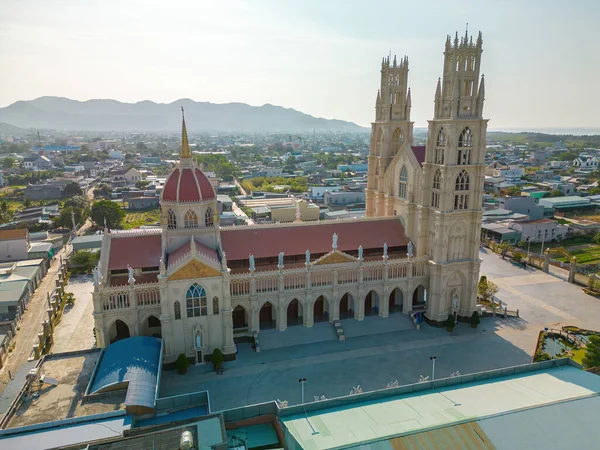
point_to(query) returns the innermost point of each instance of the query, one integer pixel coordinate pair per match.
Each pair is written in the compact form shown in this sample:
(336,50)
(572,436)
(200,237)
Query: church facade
(200,286)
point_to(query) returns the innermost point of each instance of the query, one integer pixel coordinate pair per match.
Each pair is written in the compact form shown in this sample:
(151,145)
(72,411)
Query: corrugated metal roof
(134,360)
(372,421)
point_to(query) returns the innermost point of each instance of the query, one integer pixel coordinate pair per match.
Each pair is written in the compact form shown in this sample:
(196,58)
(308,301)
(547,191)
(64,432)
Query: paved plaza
(399,353)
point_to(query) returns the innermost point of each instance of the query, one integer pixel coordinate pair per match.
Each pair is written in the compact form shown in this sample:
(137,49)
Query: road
(31,322)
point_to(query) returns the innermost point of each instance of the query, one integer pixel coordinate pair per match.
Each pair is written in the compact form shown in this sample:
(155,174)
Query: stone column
(384,304)
(281,315)
(546,262)
(227,315)
(572,270)
(308,311)
(166,317)
(359,305)
(254,314)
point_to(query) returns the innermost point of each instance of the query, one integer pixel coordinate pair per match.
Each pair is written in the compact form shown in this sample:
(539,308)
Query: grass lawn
(141,217)
(578,355)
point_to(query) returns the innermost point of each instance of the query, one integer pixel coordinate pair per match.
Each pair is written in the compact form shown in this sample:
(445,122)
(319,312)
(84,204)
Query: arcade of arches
(150,326)
(296,312)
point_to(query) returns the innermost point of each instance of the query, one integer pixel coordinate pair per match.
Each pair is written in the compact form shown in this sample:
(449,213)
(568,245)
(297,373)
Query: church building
(200,286)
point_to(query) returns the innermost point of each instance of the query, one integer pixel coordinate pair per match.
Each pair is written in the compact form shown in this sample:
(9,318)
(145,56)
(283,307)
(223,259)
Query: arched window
(190,220)
(153,322)
(403,182)
(171,220)
(195,300)
(208,218)
(215,305)
(397,140)
(440,146)
(435,194)
(465,143)
(462,181)
(177,308)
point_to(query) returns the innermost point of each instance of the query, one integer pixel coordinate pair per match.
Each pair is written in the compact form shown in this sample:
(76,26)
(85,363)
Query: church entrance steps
(339,329)
(376,325)
(319,332)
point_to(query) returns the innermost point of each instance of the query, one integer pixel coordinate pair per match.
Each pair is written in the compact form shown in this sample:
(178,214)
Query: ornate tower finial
(185,147)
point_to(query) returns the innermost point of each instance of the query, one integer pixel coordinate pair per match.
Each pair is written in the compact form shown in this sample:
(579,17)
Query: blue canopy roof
(135,360)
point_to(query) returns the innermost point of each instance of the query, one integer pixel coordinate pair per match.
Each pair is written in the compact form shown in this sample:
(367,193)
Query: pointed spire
(408,99)
(448,42)
(395,63)
(185,147)
(467,33)
(438,89)
(456,40)
(192,245)
(481,92)
(481,97)
(479,40)
(378,101)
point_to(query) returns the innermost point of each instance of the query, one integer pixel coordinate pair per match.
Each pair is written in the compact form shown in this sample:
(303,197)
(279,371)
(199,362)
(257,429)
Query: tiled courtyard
(399,353)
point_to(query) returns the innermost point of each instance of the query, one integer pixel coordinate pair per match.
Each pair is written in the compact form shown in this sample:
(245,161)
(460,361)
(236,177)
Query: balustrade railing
(144,295)
(324,276)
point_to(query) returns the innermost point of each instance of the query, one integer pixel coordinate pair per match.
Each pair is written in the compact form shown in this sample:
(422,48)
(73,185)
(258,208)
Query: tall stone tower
(391,130)
(453,174)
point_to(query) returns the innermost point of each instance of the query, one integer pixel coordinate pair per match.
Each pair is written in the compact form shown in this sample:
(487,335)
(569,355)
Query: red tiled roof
(187,185)
(419,151)
(295,240)
(185,248)
(137,251)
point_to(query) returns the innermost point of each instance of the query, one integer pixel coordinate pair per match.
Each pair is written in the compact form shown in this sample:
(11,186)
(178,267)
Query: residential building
(116,154)
(126,176)
(567,203)
(588,162)
(14,244)
(540,230)
(143,202)
(344,198)
(43,163)
(522,205)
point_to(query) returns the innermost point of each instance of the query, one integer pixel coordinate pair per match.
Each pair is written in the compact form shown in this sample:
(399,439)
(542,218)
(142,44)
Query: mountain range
(61,113)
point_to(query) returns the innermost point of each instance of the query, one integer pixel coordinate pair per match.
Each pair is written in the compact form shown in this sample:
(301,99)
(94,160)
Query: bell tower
(453,181)
(391,130)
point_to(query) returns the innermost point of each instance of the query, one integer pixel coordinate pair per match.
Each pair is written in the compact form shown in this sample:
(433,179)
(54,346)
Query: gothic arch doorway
(294,313)
(346,306)
(321,314)
(152,327)
(119,330)
(372,304)
(240,317)
(266,317)
(419,299)
(396,301)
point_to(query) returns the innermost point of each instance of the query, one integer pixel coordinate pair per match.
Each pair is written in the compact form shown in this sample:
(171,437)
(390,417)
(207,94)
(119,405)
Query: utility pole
(302,381)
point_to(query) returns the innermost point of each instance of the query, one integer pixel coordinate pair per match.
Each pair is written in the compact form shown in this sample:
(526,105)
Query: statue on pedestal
(280,260)
(251,258)
(307,257)
(385,250)
(96,276)
(454,301)
(410,249)
(131,280)
(334,241)
(360,253)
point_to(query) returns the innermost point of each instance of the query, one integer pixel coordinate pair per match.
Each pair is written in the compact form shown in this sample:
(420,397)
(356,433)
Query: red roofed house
(200,286)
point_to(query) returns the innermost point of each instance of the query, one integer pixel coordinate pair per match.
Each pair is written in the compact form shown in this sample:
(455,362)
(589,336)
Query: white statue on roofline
(251,258)
(131,280)
(334,241)
(280,260)
(410,249)
(307,257)
(360,252)
(385,250)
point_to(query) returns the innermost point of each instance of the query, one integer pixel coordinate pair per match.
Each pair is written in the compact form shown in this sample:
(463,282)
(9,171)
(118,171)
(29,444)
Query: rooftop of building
(541,405)
(73,372)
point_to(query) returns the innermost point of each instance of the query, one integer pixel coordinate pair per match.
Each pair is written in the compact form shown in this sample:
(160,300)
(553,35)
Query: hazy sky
(322,57)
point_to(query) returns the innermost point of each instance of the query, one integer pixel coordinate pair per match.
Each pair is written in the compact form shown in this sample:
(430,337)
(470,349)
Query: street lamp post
(302,381)
(528,245)
(433,358)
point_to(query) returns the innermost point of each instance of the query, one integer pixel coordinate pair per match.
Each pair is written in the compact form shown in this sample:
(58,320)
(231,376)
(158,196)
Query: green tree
(141,146)
(8,163)
(450,323)
(103,190)
(84,261)
(72,189)
(504,248)
(78,201)
(518,256)
(487,290)
(142,184)
(555,193)
(217,358)
(592,352)
(109,211)
(64,219)
(182,364)
(474,319)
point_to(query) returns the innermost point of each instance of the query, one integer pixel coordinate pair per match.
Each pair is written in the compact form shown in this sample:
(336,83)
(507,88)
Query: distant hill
(111,115)
(8,129)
